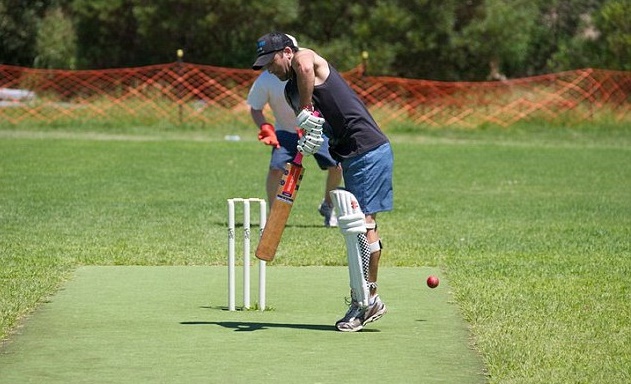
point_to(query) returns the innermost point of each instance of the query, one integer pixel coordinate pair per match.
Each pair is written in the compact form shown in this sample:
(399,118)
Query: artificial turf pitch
(171,325)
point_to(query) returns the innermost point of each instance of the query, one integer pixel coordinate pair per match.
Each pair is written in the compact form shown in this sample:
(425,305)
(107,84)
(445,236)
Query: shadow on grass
(240,326)
(256,223)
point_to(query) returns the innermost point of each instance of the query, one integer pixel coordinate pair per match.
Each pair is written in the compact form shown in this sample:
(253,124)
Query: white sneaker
(356,316)
(327,211)
(374,311)
(352,320)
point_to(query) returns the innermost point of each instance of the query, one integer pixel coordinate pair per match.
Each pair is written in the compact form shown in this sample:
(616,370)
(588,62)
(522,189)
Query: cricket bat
(280,210)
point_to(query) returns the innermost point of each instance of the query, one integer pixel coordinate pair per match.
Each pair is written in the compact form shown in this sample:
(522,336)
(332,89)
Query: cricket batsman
(325,104)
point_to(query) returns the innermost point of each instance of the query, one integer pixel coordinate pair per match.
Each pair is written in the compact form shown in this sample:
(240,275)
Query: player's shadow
(255,225)
(243,326)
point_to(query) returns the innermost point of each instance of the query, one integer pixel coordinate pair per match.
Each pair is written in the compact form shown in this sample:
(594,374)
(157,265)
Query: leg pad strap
(376,246)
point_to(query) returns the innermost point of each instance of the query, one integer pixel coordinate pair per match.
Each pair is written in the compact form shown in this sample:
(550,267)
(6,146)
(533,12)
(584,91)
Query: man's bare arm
(303,65)
(257,116)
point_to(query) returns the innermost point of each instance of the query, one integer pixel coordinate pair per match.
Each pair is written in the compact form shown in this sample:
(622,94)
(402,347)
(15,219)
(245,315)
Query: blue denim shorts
(288,150)
(369,177)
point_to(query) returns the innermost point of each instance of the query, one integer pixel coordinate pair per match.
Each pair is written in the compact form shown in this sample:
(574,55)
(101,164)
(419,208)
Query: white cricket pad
(345,202)
(357,268)
(353,226)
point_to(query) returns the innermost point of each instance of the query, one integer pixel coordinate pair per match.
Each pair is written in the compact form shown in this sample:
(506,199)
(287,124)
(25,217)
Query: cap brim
(263,60)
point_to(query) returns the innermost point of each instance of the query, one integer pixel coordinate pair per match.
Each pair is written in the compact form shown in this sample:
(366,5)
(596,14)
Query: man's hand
(309,120)
(311,142)
(267,135)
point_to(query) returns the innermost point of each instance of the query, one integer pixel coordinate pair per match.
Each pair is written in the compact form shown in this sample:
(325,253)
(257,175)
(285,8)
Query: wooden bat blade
(279,213)
(273,231)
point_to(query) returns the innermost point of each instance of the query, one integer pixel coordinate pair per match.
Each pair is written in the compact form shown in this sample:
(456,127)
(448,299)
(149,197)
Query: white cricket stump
(246,202)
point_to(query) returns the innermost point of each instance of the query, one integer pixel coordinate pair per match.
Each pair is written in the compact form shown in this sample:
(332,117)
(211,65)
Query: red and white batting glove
(309,120)
(311,142)
(267,135)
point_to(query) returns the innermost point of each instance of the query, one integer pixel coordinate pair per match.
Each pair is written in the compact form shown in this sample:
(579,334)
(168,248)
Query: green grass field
(532,227)
(135,325)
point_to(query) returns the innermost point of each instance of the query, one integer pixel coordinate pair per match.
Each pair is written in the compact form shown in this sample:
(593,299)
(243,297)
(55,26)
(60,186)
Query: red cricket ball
(432,281)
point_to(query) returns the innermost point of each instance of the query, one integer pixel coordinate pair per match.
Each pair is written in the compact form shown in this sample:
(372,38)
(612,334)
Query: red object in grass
(432,281)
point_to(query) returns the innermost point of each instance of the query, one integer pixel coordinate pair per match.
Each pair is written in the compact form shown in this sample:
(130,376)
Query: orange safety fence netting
(184,93)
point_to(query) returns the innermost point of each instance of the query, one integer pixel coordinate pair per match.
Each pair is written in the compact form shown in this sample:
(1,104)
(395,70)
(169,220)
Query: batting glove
(311,142)
(267,135)
(309,120)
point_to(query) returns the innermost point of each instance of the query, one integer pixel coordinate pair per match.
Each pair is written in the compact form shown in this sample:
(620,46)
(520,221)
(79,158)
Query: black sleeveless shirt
(349,126)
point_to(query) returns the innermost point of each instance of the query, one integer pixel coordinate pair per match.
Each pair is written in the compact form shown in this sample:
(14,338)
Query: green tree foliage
(56,41)
(446,40)
(565,26)
(409,37)
(135,32)
(18,28)
(496,40)
(333,39)
(107,34)
(220,32)
(613,22)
